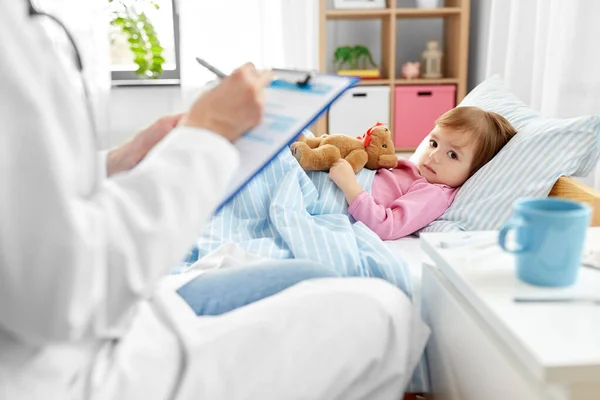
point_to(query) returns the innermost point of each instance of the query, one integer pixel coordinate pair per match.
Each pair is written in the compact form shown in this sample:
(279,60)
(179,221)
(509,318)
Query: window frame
(172,77)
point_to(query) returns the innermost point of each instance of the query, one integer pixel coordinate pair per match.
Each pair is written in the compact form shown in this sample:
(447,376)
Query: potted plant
(129,19)
(355,61)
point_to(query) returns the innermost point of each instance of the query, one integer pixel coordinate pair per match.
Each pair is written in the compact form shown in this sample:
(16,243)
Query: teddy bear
(373,150)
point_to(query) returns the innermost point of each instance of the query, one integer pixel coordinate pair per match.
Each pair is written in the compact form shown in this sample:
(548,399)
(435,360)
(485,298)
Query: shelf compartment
(366,32)
(426,12)
(358,14)
(411,40)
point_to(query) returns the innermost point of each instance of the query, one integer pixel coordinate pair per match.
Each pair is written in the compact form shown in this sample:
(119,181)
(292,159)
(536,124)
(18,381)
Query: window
(136,45)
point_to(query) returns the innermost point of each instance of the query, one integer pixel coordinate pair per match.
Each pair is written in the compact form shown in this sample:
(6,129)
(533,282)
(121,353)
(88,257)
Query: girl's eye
(452,155)
(433,143)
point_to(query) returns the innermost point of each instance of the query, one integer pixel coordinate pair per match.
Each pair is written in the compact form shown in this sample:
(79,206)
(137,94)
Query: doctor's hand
(234,106)
(128,155)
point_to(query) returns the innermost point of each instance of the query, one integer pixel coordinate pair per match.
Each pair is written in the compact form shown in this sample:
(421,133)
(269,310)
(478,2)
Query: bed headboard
(569,188)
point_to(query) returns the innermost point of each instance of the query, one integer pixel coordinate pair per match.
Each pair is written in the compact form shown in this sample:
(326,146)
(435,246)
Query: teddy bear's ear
(371,129)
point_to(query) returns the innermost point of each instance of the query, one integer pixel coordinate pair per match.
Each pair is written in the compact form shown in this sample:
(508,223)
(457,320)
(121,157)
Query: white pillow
(543,150)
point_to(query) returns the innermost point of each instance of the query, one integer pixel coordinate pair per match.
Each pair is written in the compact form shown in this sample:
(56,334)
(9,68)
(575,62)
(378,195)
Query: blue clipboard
(290,109)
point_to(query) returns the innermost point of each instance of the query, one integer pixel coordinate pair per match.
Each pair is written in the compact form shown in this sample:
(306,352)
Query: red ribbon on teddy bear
(366,138)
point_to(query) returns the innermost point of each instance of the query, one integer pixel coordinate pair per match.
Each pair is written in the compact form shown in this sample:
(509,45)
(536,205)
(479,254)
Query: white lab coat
(81,314)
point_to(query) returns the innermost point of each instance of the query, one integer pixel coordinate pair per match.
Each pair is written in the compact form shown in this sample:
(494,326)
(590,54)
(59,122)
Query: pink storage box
(416,109)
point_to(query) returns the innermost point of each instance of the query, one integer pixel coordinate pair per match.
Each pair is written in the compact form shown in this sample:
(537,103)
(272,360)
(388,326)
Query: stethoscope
(34,12)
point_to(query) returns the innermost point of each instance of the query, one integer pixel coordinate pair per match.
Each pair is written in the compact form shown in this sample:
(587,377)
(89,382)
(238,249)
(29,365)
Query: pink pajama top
(401,203)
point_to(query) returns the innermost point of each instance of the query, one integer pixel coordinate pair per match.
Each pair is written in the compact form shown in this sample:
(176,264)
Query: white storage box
(358,109)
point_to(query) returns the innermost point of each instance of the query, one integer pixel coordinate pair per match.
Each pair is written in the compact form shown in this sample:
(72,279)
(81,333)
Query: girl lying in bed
(286,212)
(415,193)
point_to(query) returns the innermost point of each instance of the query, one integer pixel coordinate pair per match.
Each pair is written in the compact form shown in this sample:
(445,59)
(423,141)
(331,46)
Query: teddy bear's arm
(357,159)
(313,143)
(319,159)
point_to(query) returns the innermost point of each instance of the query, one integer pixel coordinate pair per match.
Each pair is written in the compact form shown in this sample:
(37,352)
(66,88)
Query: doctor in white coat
(82,313)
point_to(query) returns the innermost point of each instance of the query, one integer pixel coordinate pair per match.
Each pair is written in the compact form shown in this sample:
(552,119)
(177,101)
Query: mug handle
(515,223)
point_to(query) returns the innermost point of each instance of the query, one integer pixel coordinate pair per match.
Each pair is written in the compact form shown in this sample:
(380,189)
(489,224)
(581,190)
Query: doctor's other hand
(234,106)
(129,154)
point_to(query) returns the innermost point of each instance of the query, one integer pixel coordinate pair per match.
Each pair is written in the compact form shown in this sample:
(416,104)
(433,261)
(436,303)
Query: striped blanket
(285,212)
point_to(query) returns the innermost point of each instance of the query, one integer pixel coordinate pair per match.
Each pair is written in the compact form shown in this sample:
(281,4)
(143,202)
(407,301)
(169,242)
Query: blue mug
(549,239)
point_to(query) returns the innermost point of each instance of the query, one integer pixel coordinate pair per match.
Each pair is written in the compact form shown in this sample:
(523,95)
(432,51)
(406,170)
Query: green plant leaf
(143,40)
(157,50)
(140,60)
(120,21)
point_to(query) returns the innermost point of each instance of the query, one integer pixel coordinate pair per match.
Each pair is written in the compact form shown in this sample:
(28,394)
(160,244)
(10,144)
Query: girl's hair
(489,130)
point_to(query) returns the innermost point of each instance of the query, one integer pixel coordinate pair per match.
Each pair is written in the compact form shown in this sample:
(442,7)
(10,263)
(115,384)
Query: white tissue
(591,258)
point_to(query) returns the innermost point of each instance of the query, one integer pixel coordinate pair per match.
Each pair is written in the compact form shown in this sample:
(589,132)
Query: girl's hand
(342,174)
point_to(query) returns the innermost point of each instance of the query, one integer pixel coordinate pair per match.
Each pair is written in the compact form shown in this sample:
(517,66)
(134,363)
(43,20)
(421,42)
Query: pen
(212,69)
(303,77)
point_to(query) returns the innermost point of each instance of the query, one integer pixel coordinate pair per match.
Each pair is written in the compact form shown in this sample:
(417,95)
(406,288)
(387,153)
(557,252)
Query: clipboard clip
(299,77)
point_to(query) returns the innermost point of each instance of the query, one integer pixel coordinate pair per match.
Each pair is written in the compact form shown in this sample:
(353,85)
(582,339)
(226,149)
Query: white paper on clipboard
(289,109)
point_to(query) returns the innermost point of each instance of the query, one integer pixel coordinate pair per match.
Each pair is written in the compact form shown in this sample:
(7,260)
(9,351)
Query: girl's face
(445,157)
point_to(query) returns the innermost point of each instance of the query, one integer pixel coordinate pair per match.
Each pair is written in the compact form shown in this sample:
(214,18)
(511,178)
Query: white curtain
(269,33)
(88,23)
(548,52)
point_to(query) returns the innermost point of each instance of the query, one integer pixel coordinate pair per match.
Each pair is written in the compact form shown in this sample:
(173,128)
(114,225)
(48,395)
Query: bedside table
(486,346)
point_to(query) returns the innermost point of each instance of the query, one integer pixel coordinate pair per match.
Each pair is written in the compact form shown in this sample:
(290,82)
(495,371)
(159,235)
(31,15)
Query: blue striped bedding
(285,212)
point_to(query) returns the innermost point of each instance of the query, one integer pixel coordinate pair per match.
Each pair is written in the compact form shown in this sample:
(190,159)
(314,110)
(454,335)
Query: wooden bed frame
(569,188)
